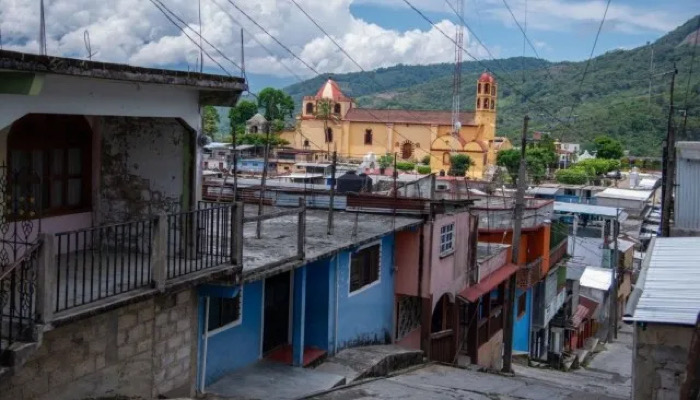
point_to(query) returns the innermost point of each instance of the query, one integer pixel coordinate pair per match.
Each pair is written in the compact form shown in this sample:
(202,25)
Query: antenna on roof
(88,47)
(42,29)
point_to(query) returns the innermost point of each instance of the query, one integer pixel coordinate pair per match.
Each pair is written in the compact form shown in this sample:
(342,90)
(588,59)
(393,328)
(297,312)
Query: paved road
(607,377)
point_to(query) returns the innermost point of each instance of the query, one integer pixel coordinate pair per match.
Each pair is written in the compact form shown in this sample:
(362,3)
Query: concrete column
(299,316)
(389,138)
(46,278)
(159,252)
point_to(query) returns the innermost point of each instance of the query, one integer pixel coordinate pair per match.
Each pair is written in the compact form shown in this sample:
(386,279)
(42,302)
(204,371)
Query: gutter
(636,294)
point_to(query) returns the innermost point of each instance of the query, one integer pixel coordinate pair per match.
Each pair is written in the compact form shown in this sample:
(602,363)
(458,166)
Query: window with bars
(447,239)
(224,311)
(364,267)
(50,162)
(368,136)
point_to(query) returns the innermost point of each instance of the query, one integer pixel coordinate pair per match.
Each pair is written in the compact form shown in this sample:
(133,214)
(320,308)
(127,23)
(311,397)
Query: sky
(374,33)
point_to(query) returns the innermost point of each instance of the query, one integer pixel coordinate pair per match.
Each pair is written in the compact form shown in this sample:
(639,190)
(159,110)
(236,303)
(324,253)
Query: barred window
(364,267)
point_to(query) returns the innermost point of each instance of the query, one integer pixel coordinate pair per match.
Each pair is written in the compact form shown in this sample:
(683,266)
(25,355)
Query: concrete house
(98,170)
(664,309)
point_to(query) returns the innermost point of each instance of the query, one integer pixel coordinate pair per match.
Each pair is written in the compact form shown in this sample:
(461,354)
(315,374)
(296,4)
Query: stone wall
(144,349)
(660,359)
(145,166)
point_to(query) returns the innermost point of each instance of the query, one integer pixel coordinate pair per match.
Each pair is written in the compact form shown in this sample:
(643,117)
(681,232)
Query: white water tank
(634,177)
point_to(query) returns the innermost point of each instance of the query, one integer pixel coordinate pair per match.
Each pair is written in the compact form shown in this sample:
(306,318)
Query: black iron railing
(200,239)
(17,299)
(95,263)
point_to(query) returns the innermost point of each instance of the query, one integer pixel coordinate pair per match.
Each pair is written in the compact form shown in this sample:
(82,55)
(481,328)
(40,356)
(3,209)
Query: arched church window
(478,103)
(329,135)
(336,109)
(368,136)
(479,88)
(486,104)
(487,88)
(493,104)
(446,158)
(493,90)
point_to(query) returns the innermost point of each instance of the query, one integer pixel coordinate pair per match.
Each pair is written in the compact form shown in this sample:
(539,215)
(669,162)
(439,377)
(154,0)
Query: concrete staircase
(370,361)
(14,355)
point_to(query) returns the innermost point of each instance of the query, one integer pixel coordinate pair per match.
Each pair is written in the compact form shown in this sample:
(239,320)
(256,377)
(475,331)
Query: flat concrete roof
(25,62)
(279,237)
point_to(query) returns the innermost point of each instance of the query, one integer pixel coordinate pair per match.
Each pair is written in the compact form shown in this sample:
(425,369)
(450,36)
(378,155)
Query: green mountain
(619,97)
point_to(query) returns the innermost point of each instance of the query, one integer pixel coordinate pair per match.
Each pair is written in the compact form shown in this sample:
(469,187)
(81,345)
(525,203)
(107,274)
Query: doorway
(276,311)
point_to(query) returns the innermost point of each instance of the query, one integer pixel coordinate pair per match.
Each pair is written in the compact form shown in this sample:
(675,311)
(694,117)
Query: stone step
(370,361)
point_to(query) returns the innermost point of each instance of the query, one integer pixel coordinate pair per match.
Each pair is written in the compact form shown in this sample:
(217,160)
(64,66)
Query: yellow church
(356,132)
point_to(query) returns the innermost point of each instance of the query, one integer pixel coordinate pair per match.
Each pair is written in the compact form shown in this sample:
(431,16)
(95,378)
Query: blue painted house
(341,297)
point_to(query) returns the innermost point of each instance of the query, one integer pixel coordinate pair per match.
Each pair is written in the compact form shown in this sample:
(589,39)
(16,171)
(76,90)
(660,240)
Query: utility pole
(235,164)
(332,193)
(264,178)
(614,263)
(396,190)
(669,166)
(515,253)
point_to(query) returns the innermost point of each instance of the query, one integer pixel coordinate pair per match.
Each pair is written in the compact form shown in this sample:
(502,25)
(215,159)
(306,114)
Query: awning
(580,315)
(472,293)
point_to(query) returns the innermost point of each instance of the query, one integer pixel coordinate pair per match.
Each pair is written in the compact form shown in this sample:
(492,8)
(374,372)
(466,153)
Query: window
(446,158)
(447,239)
(479,90)
(486,104)
(224,311)
(50,160)
(364,267)
(522,304)
(478,103)
(487,88)
(336,109)
(368,136)
(329,135)
(306,143)
(493,90)
(309,108)
(254,129)
(493,104)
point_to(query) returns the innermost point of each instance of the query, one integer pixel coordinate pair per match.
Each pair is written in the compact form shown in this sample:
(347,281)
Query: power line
(590,57)
(162,10)
(224,56)
(525,97)
(270,52)
(525,37)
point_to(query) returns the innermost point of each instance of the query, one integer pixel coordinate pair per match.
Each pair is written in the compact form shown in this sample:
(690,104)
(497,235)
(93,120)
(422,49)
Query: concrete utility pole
(614,263)
(517,228)
(669,166)
(332,194)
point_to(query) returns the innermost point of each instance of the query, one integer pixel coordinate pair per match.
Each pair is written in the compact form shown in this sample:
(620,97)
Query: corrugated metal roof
(596,278)
(687,212)
(577,208)
(670,282)
(625,194)
(544,191)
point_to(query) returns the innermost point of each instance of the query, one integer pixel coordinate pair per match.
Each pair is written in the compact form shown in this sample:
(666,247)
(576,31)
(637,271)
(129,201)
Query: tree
(510,160)
(242,112)
(608,148)
(385,161)
(260,139)
(276,104)
(536,165)
(210,121)
(572,176)
(459,165)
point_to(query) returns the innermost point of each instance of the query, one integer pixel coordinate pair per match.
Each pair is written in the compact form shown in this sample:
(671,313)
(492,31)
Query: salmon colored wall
(448,274)
(412,340)
(407,250)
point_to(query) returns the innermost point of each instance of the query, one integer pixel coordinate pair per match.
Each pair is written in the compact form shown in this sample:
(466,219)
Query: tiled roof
(330,90)
(426,117)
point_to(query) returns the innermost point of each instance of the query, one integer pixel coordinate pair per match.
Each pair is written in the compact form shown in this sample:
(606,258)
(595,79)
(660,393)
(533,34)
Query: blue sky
(376,33)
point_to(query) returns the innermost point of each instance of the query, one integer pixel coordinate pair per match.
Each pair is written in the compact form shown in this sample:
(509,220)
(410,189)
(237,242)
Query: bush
(459,165)
(598,166)
(424,169)
(385,161)
(572,176)
(405,166)
(425,160)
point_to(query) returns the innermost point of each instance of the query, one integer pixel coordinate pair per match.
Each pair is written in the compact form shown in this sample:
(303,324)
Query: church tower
(485,111)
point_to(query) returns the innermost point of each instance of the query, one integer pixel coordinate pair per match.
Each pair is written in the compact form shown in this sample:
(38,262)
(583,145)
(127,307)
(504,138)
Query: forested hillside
(615,98)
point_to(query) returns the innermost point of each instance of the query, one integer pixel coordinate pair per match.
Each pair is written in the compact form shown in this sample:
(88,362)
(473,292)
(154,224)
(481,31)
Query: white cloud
(136,32)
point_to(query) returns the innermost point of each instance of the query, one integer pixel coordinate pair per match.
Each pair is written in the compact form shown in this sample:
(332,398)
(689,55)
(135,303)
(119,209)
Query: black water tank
(351,182)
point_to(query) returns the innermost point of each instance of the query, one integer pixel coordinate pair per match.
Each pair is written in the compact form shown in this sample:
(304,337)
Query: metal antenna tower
(42,29)
(457,79)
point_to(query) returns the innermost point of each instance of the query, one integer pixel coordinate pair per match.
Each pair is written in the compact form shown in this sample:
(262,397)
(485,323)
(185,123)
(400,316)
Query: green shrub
(572,176)
(425,160)
(405,166)
(385,161)
(424,169)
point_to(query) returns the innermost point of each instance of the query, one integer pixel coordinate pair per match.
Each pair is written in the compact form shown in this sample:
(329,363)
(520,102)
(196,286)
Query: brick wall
(143,349)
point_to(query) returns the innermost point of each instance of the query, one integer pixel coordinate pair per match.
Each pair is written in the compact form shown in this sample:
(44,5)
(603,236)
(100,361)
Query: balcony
(530,275)
(558,252)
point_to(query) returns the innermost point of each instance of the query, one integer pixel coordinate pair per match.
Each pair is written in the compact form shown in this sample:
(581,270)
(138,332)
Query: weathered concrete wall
(145,166)
(145,349)
(491,353)
(660,357)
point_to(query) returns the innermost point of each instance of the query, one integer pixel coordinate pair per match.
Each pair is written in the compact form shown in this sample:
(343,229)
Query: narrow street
(608,376)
